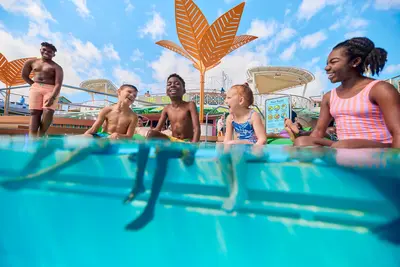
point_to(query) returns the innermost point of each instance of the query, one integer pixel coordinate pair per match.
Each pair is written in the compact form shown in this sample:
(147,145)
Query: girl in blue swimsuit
(242,120)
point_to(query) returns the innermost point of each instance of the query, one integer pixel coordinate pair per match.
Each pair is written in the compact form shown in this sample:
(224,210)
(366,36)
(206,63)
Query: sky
(116,39)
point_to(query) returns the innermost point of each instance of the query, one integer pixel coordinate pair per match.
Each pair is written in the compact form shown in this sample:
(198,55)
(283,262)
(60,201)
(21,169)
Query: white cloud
(235,65)
(308,8)
(262,29)
(356,23)
(125,76)
(366,6)
(110,52)
(81,8)
(335,26)
(312,62)
(286,34)
(33,9)
(313,40)
(156,27)
(355,34)
(288,53)
(350,22)
(86,51)
(287,11)
(137,55)
(387,4)
(391,69)
(128,6)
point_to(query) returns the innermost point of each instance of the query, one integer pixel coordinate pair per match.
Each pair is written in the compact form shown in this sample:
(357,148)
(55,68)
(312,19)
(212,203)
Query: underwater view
(197,133)
(68,202)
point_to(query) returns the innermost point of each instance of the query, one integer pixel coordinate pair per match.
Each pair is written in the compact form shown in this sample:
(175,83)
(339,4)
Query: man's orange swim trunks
(39,94)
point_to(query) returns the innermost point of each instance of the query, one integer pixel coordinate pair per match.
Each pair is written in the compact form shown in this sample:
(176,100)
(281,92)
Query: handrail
(214,109)
(259,111)
(79,89)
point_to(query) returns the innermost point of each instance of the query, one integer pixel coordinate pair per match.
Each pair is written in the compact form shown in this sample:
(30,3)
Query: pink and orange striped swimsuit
(358,118)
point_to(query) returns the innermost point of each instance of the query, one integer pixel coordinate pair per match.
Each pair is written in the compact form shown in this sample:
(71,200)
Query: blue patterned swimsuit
(245,130)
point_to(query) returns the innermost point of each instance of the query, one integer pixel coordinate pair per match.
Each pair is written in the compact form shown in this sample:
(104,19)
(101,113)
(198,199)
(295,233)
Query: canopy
(100,85)
(272,79)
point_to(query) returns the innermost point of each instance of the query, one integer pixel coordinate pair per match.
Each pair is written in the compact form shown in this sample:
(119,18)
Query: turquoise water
(309,207)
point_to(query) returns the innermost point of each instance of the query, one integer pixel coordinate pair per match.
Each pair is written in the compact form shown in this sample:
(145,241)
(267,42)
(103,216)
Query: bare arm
(195,122)
(324,119)
(26,71)
(388,100)
(229,129)
(162,120)
(99,122)
(259,129)
(58,81)
(131,128)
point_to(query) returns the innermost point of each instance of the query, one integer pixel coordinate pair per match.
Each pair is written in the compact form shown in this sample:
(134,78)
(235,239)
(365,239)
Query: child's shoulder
(190,104)
(106,110)
(254,115)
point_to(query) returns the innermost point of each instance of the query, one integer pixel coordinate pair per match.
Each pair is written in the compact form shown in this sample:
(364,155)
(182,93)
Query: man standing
(45,89)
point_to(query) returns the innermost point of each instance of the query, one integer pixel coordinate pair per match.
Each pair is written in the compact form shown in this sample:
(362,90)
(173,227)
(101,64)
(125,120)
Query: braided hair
(373,59)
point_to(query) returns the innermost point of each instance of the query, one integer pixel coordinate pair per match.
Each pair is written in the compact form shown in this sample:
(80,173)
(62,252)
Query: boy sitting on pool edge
(185,125)
(117,121)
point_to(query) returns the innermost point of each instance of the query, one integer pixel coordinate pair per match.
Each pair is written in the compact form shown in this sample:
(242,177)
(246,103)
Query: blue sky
(116,39)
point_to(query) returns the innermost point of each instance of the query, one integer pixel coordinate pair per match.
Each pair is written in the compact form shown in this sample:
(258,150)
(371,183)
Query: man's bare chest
(43,67)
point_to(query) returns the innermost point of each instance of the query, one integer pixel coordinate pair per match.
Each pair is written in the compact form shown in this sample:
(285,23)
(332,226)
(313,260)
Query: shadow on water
(379,168)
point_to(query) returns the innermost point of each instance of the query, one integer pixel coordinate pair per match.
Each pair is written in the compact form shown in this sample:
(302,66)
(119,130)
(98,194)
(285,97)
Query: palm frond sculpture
(203,44)
(10,75)
(10,72)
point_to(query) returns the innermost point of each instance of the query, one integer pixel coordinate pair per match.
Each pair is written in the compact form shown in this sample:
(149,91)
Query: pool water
(62,204)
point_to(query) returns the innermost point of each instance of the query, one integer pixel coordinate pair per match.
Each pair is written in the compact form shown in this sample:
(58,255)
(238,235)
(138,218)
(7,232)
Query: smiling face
(127,95)
(339,67)
(175,88)
(47,53)
(233,99)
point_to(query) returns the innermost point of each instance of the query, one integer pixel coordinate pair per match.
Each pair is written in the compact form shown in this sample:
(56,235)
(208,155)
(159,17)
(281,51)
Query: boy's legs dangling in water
(141,158)
(162,157)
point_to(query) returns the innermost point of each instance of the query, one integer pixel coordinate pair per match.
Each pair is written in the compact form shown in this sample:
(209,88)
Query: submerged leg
(48,147)
(141,158)
(74,157)
(236,173)
(390,231)
(158,180)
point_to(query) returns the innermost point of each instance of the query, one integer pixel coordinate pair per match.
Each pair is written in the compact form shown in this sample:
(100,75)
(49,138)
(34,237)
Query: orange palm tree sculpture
(203,44)
(10,75)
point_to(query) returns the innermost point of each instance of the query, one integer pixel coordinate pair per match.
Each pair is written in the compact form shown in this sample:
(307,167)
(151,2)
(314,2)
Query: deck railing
(395,81)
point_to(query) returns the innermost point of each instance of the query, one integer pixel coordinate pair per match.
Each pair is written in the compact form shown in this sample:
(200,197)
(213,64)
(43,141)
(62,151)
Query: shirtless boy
(183,116)
(45,89)
(117,121)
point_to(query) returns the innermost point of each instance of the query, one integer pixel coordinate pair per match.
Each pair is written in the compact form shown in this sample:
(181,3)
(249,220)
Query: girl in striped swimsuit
(366,111)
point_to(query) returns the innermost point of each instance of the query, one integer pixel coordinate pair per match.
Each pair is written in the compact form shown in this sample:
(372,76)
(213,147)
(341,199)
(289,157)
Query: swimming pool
(309,207)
